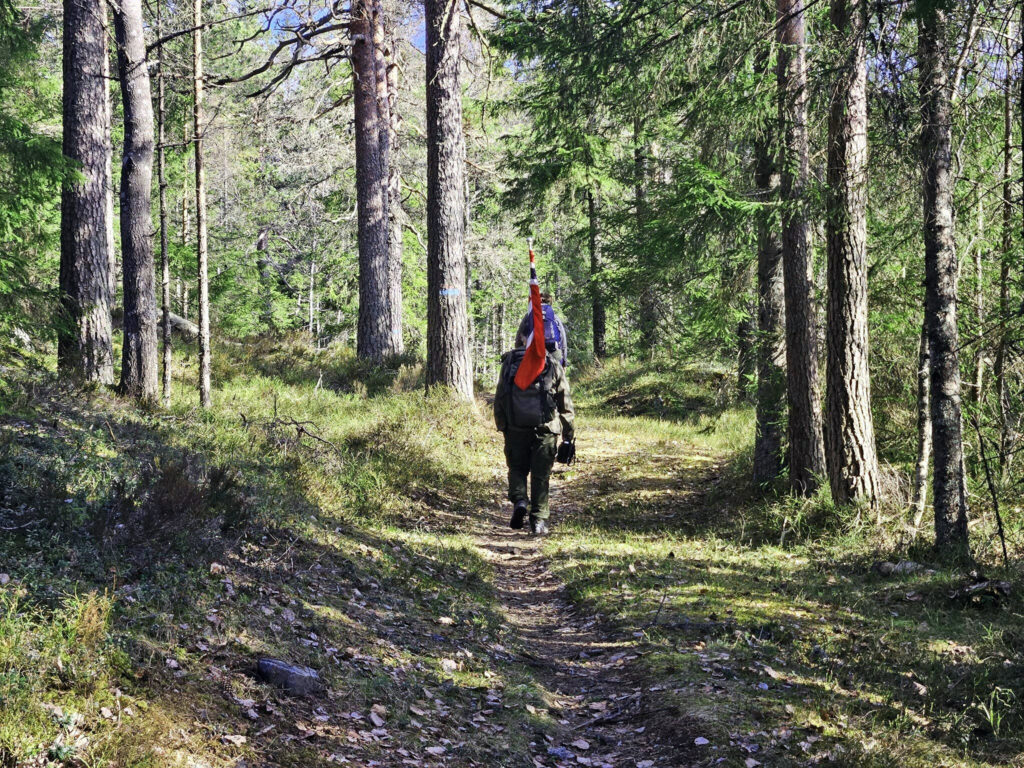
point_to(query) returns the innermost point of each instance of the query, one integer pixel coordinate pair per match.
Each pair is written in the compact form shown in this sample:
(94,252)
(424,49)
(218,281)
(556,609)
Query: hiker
(532,420)
(554,329)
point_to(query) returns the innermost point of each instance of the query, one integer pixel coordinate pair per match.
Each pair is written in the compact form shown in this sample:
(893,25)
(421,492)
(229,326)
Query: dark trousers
(529,453)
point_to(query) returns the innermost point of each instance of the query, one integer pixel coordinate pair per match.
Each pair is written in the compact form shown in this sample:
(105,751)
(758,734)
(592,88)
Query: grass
(320,513)
(762,617)
(155,557)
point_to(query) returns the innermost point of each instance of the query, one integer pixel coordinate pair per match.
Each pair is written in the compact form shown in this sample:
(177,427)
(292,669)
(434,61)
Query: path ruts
(602,711)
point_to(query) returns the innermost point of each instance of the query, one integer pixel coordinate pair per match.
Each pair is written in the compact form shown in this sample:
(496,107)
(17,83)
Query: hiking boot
(518,516)
(538,526)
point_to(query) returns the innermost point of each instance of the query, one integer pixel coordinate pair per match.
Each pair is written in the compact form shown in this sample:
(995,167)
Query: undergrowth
(767,617)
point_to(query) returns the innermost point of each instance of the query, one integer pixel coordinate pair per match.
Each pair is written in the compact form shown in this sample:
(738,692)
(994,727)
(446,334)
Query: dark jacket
(563,421)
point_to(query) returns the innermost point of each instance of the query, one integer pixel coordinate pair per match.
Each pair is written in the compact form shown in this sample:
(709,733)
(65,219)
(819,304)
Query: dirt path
(604,715)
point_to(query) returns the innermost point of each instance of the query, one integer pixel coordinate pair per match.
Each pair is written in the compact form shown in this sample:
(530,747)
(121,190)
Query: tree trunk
(771,318)
(379,327)
(165,264)
(599,314)
(949,496)
(806,446)
(978,380)
(139,365)
(850,432)
(649,309)
(448,353)
(266,279)
(1006,437)
(395,212)
(84,346)
(919,497)
(202,247)
(312,297)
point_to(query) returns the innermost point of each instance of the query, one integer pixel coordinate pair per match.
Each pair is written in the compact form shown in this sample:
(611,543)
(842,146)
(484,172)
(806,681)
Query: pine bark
(850,432)
(84,345)
(599,315)
(919,495)
(139,364)
(379,333)
(395,212)
(806,445)
(649,309)
(948,488)
(771,320)
(1006,437)
(202,243)
(165,264)
(448,352)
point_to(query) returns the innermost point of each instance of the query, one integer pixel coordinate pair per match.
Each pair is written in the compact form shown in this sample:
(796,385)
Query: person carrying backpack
(532,420)
(554,330)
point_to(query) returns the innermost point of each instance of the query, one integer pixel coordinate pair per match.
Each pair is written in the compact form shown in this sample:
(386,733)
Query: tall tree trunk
(649,309)
(379,336)
(266,279)
(139,364)
(161,170)
(806,446)
(1007,258)
(949,493)
(448,352)
(312,297)
(395,212)
(202,244)
(919,496)
(599,315)
(108,105)
(978,380)
(850,432)
(84,346)
(771,318)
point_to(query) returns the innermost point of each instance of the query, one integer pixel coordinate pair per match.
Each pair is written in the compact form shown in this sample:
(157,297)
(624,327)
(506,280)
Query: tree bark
(165,264)
(379,333)
(1006,437)
(850,432)
(919,496)
(84,345)
(977,384)
(267,281)
(599,315)
(649,309)
(395,212)
(448,352)
(202,245)
(139,364)
(948,489)
(771,318)
(806,446)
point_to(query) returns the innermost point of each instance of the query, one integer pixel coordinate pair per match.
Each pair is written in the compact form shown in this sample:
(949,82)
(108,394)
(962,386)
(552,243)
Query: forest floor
(335,518)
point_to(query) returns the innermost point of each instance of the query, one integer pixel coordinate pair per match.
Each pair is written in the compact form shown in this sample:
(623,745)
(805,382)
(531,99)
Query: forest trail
(606,716)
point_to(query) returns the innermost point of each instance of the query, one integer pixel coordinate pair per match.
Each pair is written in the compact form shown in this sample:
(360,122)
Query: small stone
(700,741)
(4,579)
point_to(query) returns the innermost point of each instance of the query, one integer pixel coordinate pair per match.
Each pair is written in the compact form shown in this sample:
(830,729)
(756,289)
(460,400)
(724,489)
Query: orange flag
(533,361)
